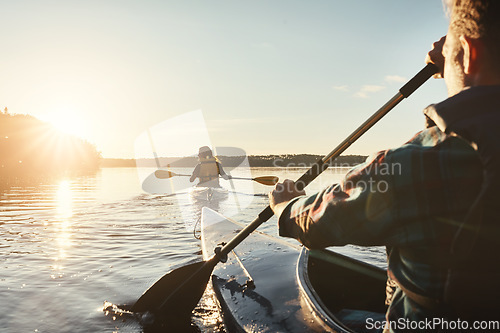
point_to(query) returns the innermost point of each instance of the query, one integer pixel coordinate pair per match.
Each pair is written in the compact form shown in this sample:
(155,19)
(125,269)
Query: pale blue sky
(269,76)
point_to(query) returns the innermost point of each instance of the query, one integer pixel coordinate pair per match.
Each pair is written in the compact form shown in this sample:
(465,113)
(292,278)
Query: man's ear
(472,53)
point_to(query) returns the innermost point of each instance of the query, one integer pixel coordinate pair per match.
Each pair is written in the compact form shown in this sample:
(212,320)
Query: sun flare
(68,123)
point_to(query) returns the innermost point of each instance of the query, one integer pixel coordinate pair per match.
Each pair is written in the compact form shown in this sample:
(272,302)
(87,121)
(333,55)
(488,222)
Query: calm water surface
(69,245)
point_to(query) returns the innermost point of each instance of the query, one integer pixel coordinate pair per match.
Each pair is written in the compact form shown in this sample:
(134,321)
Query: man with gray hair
(440,216)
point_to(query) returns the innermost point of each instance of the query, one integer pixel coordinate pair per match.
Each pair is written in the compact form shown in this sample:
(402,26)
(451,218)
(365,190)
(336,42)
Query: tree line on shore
(279,161)
(29,146)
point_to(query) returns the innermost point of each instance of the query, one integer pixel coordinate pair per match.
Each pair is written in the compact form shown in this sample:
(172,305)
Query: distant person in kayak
(433,202)
(208,170)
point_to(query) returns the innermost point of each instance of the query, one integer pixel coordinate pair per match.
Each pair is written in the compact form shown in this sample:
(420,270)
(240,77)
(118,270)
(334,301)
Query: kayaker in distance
(208,170)
(438,215)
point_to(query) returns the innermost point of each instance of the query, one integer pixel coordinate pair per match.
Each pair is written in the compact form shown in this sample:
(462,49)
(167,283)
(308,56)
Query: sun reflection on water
(64,201)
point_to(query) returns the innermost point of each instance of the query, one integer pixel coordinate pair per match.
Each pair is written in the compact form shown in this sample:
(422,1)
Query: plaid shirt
(410,199)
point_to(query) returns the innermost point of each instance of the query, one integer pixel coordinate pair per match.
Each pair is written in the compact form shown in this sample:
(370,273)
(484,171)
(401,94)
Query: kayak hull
(208,193)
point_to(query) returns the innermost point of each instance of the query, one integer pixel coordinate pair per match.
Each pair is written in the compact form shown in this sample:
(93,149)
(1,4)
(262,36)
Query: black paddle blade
(177,293)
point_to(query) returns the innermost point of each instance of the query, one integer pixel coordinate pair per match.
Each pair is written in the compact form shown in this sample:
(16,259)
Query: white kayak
(270,285)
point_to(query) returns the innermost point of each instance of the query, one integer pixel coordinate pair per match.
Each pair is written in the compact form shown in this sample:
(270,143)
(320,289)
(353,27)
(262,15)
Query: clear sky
(276,76)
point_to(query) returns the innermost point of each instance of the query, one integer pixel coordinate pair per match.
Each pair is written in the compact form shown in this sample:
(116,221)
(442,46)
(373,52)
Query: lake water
(69,245)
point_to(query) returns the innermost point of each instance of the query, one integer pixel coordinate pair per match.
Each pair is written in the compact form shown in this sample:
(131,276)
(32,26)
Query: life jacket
(209,172)
(472,289)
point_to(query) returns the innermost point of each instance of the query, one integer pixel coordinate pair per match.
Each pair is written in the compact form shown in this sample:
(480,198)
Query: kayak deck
(293,289)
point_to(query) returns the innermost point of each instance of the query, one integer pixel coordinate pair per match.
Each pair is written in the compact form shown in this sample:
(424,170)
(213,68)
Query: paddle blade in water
(177,293)
(267,180)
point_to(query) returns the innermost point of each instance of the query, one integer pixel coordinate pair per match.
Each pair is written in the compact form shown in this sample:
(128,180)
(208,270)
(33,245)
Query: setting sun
(68,122)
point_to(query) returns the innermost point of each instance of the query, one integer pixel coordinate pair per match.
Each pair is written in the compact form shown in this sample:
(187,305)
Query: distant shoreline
(278,161)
